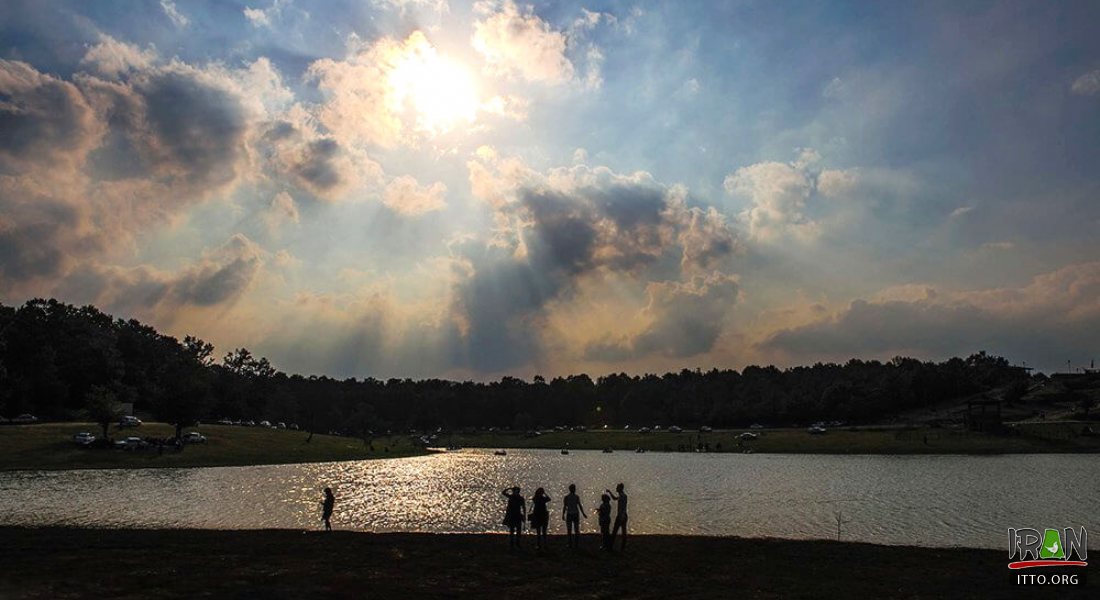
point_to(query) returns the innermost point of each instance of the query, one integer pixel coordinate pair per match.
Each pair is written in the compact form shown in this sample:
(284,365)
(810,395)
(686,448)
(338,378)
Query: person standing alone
(571,511)
(327,505)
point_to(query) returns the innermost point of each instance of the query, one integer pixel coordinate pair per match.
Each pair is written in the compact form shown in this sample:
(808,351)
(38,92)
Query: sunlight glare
(438,90)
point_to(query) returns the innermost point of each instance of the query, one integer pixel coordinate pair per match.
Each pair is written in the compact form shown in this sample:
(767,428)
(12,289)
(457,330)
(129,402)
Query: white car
(705,429)
(194,437)
(25,418)
(265,423)
(131,443)
(675,429)
(816,430)
(129,421)
(84,438)
(748,436)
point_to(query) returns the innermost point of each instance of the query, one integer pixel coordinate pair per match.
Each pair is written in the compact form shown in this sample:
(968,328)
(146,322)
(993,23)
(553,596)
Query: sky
(435,188)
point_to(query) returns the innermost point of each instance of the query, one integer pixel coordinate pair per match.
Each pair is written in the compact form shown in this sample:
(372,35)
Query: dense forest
(61,362)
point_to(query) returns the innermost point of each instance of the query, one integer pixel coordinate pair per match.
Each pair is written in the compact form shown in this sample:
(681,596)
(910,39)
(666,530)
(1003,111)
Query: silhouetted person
(514,515)
(604,511)
(326,508)
(571,511)
(620,514)
(540,516)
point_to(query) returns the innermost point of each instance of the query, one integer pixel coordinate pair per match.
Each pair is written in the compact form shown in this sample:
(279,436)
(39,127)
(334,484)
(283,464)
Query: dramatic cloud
(43,120)
(217,280)
(113,58)
(515,41)
(405,196)
(316,163)
(681,319)
(569,225)
(1056,315)
(777,193)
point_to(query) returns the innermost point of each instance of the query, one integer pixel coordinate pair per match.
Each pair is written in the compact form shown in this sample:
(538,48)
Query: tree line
(63,362)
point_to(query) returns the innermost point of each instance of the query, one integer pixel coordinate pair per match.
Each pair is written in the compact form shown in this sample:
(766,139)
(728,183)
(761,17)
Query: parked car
(280,425)
(293,426)
(84,439)
(705,429)
(748,436)
(756,426)
(675,429)
(131,443)
(816,430)
(24,419)
(265,423)
(194,437)
(643,430)
(128,421)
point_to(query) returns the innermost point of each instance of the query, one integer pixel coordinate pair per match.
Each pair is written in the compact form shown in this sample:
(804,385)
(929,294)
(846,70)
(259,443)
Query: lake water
(918,500)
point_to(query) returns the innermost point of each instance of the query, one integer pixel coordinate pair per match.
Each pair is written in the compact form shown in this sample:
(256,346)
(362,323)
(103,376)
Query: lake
(911,500)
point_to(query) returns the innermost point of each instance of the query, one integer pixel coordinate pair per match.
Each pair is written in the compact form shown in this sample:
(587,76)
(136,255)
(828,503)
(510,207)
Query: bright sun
(438,90)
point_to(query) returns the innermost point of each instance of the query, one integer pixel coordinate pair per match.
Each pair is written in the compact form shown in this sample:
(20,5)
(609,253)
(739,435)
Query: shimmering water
(926,500)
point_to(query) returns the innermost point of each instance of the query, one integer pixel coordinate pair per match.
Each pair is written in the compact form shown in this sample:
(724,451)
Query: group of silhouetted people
(515,514)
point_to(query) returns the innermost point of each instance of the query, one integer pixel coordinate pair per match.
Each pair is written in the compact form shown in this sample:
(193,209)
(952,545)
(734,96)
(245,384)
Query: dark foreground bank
(77,563)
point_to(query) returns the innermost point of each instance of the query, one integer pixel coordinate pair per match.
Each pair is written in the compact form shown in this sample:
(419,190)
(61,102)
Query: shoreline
(295,564)
(49,447)
(283,563)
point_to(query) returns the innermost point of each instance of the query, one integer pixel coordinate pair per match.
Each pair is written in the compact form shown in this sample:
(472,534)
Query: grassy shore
(1032,439)
(77,563)
(50,446)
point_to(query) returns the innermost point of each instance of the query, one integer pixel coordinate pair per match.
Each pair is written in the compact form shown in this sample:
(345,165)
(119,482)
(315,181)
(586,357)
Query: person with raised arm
(514,515)
(620,514)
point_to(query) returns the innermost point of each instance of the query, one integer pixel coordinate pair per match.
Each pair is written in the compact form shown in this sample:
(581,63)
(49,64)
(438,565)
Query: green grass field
(1033,438)
(50,446)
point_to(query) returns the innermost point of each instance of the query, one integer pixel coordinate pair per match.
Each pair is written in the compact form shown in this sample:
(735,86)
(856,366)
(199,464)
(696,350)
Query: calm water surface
(925,500)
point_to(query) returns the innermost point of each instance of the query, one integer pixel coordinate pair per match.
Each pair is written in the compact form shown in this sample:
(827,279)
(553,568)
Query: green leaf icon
(1052,545)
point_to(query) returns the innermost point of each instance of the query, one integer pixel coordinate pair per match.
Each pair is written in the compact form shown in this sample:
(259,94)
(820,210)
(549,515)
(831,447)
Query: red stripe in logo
(1027,564)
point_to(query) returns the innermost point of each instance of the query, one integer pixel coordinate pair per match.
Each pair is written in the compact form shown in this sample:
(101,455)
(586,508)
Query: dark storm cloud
(197,127)
(85,164)
(316,163)
(219,278)
(42,119)
(591,223)
(317,167)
